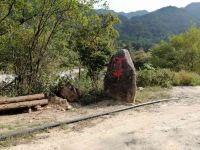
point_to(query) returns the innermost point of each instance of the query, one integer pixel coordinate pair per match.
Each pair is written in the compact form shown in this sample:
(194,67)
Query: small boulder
(61,102)
(120,79)
(69,92)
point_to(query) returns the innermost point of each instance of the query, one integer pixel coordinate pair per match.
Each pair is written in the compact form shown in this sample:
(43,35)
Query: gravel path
(168,126)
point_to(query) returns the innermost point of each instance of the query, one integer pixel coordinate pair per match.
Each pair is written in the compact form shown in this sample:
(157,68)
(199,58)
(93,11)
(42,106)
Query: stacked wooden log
(23,102)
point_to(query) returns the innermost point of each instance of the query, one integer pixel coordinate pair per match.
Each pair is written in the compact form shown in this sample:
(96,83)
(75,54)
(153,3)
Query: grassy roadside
(19,139)
(152,93)
(13,141)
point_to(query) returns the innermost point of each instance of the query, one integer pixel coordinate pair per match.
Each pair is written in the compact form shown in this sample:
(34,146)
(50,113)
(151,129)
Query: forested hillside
(133,14)
(127,15)
(143,30)
(194,10)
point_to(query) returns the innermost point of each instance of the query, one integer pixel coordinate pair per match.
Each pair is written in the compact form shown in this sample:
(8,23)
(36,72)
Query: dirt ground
(167,126)
(53,113)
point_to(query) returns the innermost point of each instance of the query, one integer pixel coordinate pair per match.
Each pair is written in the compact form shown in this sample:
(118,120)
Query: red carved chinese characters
(117,67)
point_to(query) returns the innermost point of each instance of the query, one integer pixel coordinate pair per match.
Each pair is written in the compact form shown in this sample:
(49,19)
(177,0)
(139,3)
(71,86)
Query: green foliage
(8,9)
(27,47)
(193,9)
(95,42)
(154,77)
(152,93)
(39,37)
(83,82)
(146,30)
(180,52)
(184,78)
(164,55)
(166,78)
(54,85)
(89,94)
(139,58)
(92,97)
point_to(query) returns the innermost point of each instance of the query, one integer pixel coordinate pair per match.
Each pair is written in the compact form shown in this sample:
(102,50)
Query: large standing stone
(120,79)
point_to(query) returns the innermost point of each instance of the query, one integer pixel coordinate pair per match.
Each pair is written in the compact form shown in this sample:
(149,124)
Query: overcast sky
(150,5)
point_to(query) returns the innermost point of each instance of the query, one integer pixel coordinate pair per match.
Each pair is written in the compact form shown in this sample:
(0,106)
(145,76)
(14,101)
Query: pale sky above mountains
(149,5)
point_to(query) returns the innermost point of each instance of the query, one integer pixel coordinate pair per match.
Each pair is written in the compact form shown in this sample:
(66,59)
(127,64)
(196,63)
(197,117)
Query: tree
(14,13)
(37,33)
(95,42)
(179,52)
(164,55)
(6,9)
(139,57)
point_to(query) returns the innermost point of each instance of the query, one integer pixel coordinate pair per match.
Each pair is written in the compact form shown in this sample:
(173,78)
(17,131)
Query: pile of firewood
(23,102)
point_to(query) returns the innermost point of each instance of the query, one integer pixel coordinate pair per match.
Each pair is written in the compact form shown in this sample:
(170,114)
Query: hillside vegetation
(175,61)
(144,29)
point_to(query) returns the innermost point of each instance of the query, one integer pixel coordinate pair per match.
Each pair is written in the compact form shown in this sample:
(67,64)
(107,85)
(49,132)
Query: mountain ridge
(144,30)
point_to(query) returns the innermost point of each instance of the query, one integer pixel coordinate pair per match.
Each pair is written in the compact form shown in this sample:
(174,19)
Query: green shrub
(157,77)
(92,97)
(84,83)
(55,85)
(184,78)
(166,78)
(89,94)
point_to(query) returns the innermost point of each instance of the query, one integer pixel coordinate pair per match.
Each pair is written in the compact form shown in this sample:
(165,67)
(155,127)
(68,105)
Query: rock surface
(69,92)
(120,79)
(61,102)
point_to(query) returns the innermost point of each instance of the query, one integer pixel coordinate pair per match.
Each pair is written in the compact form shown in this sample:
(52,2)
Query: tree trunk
(23,104)
(22,99)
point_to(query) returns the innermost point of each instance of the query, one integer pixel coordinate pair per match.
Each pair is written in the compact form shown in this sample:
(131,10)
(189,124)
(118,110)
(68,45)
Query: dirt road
(168,126)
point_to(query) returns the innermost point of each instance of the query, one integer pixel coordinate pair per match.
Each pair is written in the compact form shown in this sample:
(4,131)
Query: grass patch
(8,127)
(15,126)
(152,93)
(64,126)
(22,139)
(13,141)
